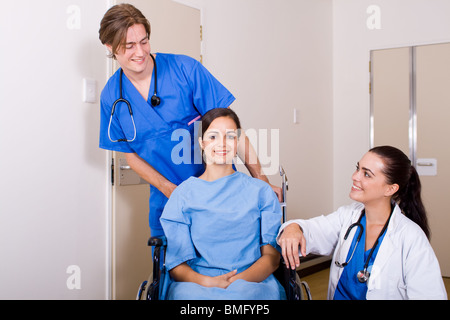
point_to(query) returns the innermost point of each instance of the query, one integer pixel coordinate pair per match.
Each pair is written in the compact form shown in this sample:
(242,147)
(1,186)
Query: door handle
(127,176)
(425,164)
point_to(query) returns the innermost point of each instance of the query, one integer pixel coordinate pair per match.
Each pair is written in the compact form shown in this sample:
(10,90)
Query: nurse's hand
(290,240)
(278,192)
(168,188)
(149,174)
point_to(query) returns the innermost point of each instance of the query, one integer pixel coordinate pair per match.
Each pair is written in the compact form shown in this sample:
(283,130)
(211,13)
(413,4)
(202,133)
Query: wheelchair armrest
(290,281)
(288,273)
(159,241)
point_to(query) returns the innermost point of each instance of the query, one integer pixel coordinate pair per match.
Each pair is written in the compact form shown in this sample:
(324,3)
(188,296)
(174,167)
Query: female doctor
(380,244)
(151,104)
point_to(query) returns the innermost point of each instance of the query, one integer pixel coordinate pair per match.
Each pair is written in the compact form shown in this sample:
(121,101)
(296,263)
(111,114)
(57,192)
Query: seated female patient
(221,227)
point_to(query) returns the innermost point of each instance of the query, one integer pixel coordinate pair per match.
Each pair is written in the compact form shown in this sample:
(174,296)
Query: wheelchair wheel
(306,292)
(141,290)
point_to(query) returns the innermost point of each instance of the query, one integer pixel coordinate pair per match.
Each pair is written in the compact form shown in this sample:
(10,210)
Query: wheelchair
(151,289)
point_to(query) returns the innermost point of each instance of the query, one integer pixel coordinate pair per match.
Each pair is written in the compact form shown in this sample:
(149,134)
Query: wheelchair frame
(288,278)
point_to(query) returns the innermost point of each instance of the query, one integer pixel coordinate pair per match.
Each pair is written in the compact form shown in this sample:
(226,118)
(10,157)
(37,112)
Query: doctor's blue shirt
(349,287)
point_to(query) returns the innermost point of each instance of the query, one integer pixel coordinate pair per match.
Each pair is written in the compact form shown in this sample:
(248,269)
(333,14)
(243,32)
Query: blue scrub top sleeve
(208,92)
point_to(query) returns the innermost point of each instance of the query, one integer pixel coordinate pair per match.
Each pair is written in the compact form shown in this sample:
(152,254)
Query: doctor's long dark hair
(398,170)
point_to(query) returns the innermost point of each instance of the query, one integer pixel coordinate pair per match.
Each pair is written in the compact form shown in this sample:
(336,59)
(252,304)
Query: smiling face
(134,57)
(369,182)
(219,141)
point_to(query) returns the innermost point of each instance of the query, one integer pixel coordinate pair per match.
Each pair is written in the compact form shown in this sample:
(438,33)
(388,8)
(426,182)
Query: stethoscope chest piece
(155,100)
(363,275)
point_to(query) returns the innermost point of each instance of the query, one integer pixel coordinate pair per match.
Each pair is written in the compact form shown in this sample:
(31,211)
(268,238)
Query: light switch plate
(89,90)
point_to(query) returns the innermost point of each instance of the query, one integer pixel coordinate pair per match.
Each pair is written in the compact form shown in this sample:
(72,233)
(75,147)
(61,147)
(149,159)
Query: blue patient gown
(217,227)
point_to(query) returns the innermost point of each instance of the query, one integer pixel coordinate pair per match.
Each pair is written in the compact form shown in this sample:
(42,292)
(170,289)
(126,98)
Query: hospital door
(410,109)
(175,28)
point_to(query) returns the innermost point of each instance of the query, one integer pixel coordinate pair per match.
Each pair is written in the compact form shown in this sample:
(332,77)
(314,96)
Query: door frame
(112,66)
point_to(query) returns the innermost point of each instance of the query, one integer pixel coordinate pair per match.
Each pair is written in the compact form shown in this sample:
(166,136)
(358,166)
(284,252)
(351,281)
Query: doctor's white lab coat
(404,268)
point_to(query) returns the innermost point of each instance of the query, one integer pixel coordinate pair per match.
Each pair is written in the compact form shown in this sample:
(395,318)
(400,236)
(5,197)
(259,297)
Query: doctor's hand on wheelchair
(290,241)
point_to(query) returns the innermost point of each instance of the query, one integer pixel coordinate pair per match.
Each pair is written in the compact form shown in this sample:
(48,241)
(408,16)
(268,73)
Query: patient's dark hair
(398,170)
(213,114)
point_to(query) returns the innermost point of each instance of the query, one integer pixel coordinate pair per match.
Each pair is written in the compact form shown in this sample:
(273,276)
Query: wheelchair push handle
(159,241)
(284,188)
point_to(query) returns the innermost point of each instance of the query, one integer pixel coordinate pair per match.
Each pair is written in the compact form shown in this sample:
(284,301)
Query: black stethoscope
(155,101)
(362,275)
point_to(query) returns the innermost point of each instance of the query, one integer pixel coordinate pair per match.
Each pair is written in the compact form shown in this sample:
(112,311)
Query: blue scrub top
(349,288)
(165,136)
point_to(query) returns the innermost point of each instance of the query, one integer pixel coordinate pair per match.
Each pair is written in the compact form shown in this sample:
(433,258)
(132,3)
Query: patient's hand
(222,281)
(261,268)
(184,273)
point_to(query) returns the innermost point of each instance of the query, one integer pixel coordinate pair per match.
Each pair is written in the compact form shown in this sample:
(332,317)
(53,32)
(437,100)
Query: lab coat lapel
(387,247)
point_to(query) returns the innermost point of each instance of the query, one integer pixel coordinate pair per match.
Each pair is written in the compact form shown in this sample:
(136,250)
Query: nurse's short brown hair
(115,24)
